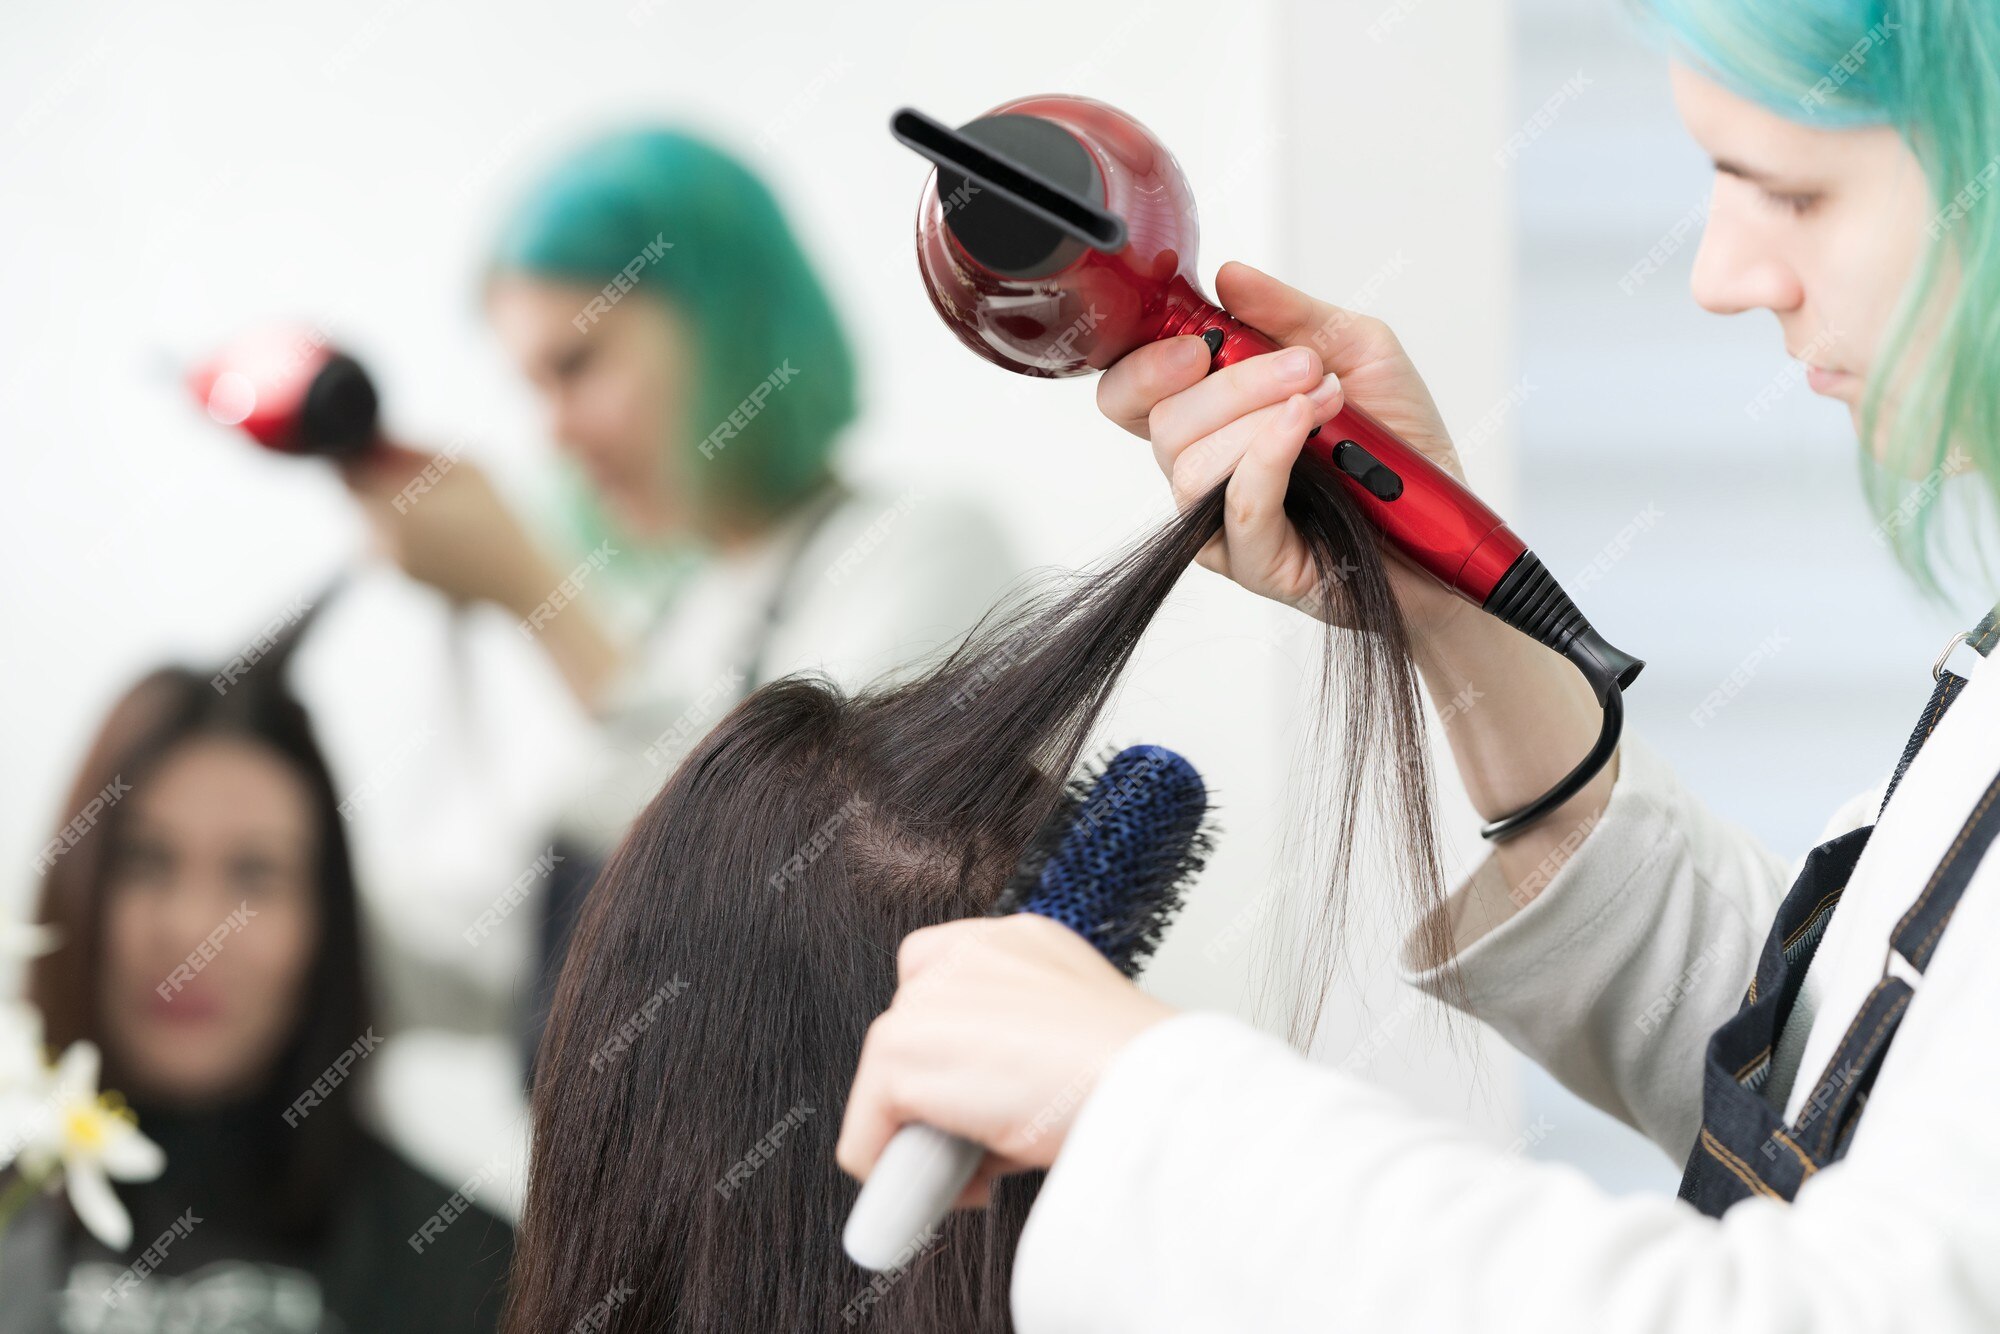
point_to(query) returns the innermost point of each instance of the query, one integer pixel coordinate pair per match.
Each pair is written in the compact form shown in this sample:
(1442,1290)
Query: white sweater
(1216,1181)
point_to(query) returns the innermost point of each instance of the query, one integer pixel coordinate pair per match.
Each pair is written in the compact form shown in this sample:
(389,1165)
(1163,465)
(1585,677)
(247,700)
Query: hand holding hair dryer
(1057,235)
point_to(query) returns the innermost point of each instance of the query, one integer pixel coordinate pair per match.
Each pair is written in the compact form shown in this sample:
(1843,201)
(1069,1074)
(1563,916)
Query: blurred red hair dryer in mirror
(289,389)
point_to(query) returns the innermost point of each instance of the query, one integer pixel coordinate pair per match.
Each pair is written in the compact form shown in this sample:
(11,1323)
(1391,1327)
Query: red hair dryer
(1057,235)
(292,391)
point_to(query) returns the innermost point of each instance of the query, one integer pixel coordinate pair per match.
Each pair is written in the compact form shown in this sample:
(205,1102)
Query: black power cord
(1529,599)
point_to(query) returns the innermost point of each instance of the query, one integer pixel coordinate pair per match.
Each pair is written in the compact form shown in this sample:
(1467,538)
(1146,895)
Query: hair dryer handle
(1428,514)
(911,1189)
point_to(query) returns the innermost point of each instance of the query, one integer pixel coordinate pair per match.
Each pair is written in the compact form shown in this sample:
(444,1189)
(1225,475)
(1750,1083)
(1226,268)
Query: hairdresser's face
(210,922)
(1822,228)
(615,377)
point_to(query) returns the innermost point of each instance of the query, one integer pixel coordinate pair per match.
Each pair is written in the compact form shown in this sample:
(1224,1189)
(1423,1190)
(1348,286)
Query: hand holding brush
(1110,866)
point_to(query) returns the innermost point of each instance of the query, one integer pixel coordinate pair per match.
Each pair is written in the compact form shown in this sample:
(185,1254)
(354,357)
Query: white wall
(177,173)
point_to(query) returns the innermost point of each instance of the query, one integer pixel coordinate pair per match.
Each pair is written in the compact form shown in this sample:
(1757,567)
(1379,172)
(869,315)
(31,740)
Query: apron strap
(1981,637)
(1746,1147)
(1828,1118)
(1916,935)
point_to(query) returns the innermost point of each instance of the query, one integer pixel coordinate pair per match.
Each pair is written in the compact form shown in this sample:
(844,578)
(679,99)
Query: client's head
(721,981)
(735,949)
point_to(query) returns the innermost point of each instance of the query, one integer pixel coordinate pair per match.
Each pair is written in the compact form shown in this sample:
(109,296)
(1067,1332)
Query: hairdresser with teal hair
(699,384)
(1818,1044)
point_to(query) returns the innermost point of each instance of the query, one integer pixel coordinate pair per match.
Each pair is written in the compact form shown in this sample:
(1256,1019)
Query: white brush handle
(918,1176)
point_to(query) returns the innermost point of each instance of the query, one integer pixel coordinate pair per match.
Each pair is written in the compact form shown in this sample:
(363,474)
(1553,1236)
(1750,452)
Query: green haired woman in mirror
(698,383)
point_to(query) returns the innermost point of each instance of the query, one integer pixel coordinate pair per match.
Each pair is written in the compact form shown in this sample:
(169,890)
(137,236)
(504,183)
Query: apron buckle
(1950,646)
(1907,973)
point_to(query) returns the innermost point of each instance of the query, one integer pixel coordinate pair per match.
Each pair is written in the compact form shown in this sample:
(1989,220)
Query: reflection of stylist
(697,376)
(1819,1051)
(698,379)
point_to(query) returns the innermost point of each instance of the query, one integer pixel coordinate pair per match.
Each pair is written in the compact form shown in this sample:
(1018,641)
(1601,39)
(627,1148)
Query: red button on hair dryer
(290,390)
(1057,235)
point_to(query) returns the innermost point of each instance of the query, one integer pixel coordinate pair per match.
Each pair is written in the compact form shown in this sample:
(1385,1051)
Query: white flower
(92,1136)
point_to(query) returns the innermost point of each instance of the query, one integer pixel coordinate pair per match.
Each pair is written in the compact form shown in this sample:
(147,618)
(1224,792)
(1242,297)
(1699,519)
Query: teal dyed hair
(732,269)
(1930,69)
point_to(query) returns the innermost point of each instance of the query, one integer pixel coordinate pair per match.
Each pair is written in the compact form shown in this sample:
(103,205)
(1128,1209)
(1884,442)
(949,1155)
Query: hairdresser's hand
(1536,715)
(998,1032)
(440,519)
(1249,421)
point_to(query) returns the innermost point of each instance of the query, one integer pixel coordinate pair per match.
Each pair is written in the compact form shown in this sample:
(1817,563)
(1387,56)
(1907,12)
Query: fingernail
(1328,389)
(1295,363)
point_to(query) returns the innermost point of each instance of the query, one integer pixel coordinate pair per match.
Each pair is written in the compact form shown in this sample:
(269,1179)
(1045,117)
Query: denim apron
(1746,1147)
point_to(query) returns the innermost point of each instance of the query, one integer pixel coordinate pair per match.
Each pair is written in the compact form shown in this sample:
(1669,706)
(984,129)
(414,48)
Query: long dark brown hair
(163,711)
(730,957)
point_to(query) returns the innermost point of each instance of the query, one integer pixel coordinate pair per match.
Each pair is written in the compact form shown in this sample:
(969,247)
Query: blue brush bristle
(1116,873)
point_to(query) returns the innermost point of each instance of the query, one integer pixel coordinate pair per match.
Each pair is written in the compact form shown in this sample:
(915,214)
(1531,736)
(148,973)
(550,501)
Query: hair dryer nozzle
(1043,183)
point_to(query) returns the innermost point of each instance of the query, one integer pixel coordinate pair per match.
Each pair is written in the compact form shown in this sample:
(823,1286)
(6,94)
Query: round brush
(1111,863)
